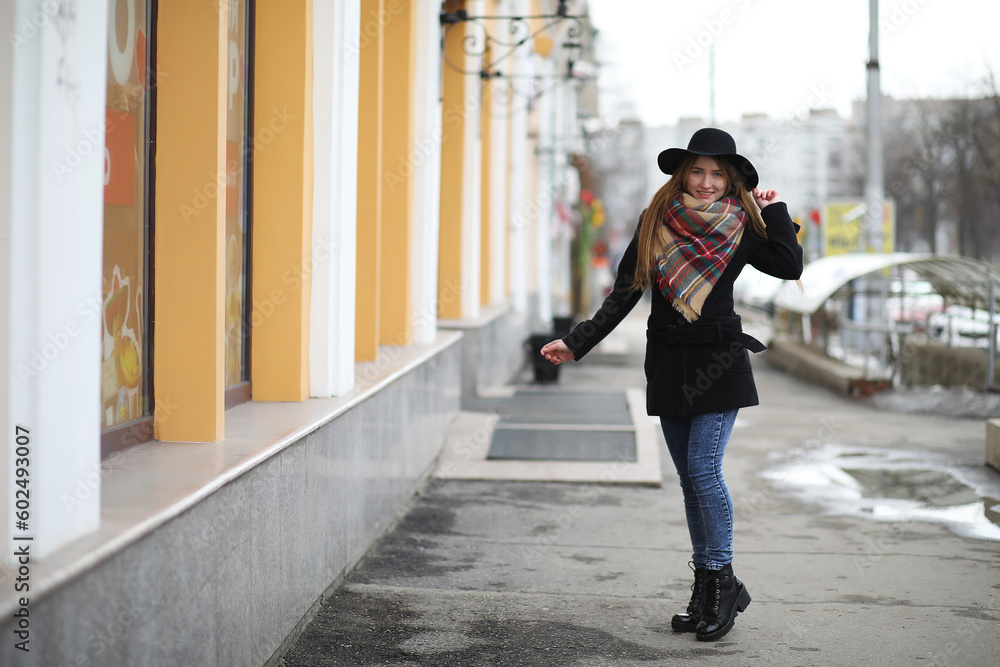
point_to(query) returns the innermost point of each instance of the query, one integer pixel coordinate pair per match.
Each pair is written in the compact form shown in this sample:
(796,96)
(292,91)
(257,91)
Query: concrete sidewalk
(540,573)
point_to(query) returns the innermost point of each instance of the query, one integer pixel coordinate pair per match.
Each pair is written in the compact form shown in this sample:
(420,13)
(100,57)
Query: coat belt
(726,331)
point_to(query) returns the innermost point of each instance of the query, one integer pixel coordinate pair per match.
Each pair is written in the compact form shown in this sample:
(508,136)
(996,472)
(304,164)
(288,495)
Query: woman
(699,231)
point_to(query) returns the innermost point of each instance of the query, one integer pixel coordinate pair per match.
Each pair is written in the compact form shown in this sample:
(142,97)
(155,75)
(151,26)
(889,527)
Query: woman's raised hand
(557,352)
(765,197)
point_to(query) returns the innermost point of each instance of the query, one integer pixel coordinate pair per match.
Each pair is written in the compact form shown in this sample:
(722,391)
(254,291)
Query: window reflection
(125,380)
(237,130)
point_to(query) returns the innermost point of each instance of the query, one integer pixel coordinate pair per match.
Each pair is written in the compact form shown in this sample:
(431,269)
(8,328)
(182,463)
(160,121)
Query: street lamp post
(874,195)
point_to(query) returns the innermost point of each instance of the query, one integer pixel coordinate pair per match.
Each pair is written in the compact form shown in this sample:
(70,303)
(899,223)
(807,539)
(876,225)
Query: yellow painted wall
(452,166)
(395,318)
(543,41)
(281,210)
(192,46)
(369,214)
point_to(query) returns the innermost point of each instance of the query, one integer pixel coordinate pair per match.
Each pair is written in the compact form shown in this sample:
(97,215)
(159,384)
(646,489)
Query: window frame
(241,392)
(120,437)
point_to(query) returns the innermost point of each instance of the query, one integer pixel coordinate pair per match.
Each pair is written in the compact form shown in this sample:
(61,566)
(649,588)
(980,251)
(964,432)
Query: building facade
(255,253)
(806,157)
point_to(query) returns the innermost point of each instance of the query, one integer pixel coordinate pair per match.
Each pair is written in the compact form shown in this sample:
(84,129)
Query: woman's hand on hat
(557,352)
(765,197)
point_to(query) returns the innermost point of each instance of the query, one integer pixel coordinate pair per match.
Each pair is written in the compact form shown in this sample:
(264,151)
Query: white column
(6,279)
(546,200)
(50,265)
(335,137)
(566,188)
(499,205)
(426,172)
(499,109)
(518,155)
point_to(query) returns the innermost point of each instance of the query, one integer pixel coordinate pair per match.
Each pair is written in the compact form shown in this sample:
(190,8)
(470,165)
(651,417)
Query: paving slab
(484,572)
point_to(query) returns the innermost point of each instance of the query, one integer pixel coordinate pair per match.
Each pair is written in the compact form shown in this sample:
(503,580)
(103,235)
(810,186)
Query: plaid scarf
(692,249)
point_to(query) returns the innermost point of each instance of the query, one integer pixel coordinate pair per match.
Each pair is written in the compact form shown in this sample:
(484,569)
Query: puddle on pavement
(934,488)
(894,485)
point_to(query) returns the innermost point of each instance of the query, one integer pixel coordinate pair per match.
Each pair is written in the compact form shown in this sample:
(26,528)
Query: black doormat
(562,445)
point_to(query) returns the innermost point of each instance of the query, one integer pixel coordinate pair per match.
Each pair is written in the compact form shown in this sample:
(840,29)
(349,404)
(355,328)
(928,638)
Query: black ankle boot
(725,596)
(688,621)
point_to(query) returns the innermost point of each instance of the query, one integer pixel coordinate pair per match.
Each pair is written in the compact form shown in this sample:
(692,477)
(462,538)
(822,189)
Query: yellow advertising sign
(842,224)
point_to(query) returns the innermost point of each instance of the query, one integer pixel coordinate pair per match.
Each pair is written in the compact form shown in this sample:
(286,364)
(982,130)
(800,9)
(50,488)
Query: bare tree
(914,177)
(970,133)
(942,166)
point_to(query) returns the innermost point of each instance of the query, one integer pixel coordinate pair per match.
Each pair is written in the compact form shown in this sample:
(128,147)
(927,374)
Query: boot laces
(713,592)
(697,589)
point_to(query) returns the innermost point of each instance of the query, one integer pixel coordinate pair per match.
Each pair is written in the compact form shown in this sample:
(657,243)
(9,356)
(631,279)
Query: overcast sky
(774,56)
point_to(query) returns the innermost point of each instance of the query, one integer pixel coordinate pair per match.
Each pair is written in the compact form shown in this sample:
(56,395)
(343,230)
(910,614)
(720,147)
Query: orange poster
(234,168)
(119,159)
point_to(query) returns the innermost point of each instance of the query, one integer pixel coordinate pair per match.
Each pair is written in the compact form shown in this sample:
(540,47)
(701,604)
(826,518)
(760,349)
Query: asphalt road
(489,573)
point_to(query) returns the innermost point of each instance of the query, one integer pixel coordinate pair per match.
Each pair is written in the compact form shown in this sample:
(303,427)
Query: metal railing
(876,331)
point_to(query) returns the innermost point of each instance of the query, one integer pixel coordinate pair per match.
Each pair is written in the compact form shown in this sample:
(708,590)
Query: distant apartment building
(806,158)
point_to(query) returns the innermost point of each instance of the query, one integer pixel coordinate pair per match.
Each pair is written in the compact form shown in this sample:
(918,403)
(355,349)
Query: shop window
(238,163)
(126,354)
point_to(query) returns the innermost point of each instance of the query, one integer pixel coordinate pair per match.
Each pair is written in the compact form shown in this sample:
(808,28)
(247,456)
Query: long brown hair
(657,209)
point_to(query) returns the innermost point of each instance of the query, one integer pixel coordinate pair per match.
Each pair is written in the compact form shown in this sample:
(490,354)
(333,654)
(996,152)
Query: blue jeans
(696,445)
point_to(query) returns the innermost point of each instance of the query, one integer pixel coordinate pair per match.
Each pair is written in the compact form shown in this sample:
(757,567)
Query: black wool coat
(704,366)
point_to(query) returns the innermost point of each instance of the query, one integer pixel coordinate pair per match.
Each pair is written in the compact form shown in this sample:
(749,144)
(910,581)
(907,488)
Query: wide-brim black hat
(710,142)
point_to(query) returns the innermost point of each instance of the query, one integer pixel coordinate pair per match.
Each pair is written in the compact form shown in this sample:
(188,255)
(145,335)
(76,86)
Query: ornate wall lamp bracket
(494,49)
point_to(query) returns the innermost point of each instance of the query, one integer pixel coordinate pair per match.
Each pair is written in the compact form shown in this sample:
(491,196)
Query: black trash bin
(562,326)
(546,372)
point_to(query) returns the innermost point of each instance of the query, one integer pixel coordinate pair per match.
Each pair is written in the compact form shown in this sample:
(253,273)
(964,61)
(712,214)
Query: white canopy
(961,278)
